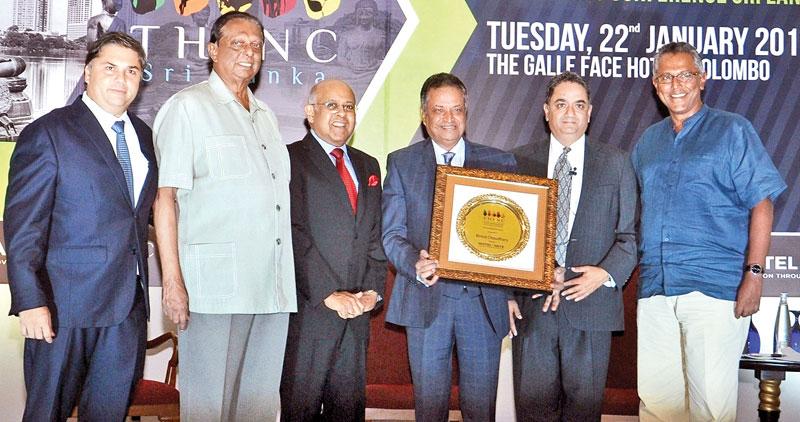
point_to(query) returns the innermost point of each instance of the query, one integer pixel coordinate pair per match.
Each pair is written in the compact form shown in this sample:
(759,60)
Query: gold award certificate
(493,227)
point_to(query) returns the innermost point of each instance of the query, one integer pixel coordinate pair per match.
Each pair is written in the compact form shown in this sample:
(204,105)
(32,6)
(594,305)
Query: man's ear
(212,51)
(309,110)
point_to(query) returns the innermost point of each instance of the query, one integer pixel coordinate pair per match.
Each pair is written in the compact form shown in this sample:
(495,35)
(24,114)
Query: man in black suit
(339,263)
(81,185)
(561,352)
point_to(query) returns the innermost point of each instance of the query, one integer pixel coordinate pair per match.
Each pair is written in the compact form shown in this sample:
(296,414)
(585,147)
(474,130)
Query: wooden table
(770,373)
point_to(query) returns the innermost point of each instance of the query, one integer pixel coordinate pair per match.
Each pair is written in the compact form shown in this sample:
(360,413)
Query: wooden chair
(155,398)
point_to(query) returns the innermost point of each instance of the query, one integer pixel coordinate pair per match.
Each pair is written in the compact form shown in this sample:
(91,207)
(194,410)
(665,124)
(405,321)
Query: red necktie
(346,179)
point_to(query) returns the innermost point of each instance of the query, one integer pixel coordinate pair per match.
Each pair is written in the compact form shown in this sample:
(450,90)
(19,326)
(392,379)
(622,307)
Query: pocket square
(372,180)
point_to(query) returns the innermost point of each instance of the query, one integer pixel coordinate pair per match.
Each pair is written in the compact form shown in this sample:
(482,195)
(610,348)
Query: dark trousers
(559,371)
(99,365)
(324,379)
(461,321)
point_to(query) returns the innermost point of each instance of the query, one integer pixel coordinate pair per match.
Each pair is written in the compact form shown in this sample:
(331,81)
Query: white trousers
(688,358)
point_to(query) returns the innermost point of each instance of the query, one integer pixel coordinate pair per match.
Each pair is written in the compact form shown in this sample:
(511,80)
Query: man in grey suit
(561,352)
(439,313)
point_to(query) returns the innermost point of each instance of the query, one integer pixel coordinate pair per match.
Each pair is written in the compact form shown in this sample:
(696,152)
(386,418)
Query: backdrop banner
(505,51)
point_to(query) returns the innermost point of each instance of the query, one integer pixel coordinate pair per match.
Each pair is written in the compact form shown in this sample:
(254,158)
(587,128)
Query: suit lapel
(541,154)
(149,155)
(327,169)
(590,178)
(97,136)
(361,174)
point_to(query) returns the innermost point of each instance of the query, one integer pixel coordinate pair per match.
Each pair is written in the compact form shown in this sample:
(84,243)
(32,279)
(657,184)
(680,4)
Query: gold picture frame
(494,228)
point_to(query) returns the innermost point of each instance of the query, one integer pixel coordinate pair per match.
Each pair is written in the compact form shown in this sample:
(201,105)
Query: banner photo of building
(504,51)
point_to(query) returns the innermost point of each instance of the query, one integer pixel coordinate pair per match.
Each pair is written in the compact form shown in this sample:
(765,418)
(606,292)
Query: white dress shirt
(139,163)
(576,158)
(459,150)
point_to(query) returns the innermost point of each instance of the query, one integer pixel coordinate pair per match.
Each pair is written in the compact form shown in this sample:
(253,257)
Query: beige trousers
(230,367)
(688,358)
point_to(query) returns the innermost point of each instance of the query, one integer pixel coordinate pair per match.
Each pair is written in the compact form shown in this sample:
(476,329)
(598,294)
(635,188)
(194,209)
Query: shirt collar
(459,150)
(575,150)
(103,117)
(223,95)
(326,146)
(693,119)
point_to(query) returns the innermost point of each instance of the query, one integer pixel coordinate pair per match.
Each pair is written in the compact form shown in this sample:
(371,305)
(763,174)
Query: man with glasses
(339,262)
(561,353)
(223,227)
(707,187)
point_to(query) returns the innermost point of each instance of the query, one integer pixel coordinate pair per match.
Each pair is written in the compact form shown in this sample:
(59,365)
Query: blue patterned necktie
(562,174)
(448,157)
(123,156)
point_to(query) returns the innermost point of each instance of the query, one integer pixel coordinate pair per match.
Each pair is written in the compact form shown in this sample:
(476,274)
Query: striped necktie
(123,156)
(562,174)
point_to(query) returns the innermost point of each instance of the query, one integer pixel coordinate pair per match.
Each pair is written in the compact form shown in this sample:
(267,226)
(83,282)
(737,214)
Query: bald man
(339,262)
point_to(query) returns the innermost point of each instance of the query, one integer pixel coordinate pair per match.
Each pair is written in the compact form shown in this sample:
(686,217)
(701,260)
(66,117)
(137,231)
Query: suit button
(278,207)
(133,251)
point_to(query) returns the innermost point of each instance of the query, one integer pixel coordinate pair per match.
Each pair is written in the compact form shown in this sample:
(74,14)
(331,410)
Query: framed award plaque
(494,228)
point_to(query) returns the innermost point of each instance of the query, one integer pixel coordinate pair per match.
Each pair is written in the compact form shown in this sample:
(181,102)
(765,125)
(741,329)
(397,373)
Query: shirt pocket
(215,269)
(227,157)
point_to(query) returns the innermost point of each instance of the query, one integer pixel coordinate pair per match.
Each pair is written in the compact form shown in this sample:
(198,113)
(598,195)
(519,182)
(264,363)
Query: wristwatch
(754,268)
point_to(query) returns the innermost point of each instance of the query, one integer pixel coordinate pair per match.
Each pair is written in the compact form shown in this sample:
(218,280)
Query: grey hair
(675,48)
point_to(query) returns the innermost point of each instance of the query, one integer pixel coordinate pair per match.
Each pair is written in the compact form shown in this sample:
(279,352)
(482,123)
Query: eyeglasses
(334,106)
(685,76)
(238,45)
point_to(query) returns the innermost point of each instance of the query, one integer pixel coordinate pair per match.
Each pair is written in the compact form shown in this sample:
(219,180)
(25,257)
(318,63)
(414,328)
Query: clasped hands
(350,305)
(577,289)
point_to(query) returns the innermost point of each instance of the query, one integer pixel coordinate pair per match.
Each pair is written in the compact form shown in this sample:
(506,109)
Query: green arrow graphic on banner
(442,30)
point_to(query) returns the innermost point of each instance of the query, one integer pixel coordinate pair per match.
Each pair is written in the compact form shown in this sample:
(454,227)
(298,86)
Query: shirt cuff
(610,282)
(422,280)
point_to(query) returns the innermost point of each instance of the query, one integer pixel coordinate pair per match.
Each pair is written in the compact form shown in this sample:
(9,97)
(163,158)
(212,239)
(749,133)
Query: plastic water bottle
(782,327)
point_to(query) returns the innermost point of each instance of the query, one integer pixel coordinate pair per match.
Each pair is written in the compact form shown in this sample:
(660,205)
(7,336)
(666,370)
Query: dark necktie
(352,194)
(123,156)
(448,157)
(562,174)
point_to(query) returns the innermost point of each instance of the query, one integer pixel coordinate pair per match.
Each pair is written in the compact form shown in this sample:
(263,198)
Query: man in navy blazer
(81,185)
(439,313)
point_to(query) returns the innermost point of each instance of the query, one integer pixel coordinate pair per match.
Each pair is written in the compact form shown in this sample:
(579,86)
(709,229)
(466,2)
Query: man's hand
(748,298)
(553,299)
(368,299)
(346,304)
(175,301)
(426,268)
(36,324)
(513,313)
(591,279)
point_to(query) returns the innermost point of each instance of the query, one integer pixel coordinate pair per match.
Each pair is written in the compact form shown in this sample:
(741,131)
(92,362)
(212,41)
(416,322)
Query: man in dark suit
(81,185)
(561,352)
(340,267)
(439,313)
